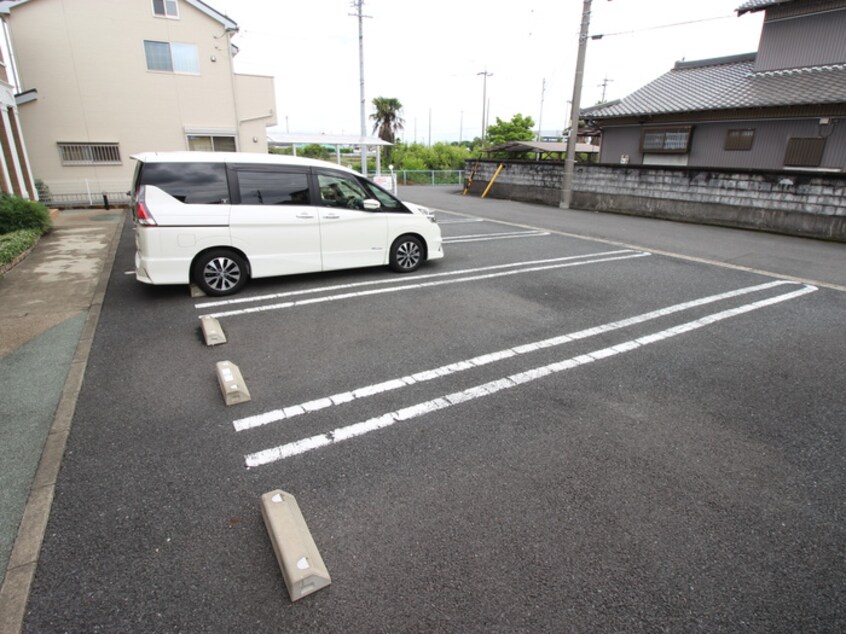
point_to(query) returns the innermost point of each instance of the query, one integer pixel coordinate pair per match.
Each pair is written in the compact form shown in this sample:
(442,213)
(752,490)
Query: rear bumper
(161,271)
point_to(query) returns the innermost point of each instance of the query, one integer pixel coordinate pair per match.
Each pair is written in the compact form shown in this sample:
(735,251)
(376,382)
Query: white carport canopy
(337,140)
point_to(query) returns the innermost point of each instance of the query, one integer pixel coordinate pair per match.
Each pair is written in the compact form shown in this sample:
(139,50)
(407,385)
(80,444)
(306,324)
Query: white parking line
(405,279)
(460,222)
(408,287)
(291,411)
(348,432)
(485,237)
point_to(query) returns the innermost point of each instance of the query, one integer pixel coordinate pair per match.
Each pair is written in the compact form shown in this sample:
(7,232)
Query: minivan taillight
(143,215)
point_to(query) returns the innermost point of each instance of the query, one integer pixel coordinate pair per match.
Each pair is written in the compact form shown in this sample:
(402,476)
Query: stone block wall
(795,203)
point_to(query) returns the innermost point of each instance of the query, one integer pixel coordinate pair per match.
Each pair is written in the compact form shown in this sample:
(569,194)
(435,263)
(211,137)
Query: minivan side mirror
(371,204)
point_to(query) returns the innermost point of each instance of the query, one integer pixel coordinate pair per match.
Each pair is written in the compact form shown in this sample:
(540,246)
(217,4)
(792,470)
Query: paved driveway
(540,432)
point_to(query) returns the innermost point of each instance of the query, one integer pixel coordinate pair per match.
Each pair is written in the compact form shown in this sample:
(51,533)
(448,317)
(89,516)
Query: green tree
(518,129)
(315,151)
(440,156)
(387,121)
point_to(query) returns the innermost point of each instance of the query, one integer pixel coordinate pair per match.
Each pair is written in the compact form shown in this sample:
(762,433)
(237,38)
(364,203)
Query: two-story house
(780,108)
(101,80)
(15,173)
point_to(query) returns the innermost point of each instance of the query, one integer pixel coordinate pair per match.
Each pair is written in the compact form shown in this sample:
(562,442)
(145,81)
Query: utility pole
(540,116)
(358,5)
(604,85)
(488,117)
(485,74)
(570,163)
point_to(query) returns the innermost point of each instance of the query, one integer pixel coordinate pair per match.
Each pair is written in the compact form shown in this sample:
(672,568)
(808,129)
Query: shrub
(43,190)
(15,243)
(315,151)
(18,213)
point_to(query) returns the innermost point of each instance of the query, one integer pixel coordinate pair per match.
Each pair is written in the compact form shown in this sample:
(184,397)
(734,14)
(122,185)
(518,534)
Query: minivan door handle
(305,215)
(331,216)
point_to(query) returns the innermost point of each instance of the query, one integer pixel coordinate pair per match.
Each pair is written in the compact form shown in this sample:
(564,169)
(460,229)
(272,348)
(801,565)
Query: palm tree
(387,120)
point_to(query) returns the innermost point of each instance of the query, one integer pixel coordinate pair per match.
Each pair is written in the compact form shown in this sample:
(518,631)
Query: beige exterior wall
(254,93)
(86,60)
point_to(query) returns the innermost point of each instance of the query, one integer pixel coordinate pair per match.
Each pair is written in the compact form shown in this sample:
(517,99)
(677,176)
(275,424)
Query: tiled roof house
(782,107)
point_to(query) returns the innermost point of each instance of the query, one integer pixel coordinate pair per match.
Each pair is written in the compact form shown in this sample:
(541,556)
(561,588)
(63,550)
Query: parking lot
(541,432)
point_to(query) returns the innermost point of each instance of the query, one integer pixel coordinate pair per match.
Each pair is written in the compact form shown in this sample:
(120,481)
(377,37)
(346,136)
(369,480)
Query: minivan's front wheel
(406,254)
(220,272)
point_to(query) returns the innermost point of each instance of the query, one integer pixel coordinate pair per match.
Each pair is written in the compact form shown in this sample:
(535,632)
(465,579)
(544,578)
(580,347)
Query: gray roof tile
(758,5)
(724,84)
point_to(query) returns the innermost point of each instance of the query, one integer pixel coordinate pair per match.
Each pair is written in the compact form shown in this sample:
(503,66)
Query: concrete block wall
(795,203)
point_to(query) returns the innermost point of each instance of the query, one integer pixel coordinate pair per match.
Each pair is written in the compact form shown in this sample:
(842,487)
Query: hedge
(15,243)
(18,213)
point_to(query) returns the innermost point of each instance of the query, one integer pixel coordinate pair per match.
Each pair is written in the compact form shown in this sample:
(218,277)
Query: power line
(662,26)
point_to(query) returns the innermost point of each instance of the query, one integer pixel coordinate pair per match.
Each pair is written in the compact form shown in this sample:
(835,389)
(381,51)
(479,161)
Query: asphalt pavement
(801,258)
(50,305)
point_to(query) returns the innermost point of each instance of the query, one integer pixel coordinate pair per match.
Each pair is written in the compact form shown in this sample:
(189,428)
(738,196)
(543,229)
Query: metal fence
(87,199)
(84,193)
(92,193)
(430,177)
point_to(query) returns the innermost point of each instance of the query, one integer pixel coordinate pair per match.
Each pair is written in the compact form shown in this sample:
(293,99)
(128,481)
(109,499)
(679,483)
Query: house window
(211,143)
(804,152)
(740,139)
(165,8)
(171,57)
(90,153)
(674,140)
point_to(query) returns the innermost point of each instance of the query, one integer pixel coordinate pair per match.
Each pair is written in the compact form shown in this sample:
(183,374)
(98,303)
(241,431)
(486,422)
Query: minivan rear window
(190,183)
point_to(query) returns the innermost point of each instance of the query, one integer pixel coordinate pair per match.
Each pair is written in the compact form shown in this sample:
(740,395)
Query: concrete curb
(23,560)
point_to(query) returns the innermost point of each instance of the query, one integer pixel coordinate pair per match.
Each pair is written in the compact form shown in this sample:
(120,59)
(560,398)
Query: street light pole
(570,163)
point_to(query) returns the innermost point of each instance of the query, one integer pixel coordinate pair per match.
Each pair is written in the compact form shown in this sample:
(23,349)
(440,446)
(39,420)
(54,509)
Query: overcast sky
(428,54)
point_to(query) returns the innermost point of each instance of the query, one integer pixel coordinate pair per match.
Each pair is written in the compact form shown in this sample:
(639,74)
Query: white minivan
(220,218)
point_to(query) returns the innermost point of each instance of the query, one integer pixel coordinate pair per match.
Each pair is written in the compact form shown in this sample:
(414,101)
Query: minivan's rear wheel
(406,254)
(220,272)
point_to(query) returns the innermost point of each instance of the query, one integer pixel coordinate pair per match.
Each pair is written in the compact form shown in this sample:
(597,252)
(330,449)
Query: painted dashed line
(356,430)
(485,237)
(289,412)
(460,222)
(409,287)
(405,279)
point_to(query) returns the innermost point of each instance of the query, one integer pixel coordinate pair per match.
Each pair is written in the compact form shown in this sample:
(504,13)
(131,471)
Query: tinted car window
(389,203)
(190,183)
(273,188)
(338,190)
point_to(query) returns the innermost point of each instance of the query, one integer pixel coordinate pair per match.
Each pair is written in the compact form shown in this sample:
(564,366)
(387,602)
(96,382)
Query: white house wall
(86,59)
(15,172)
